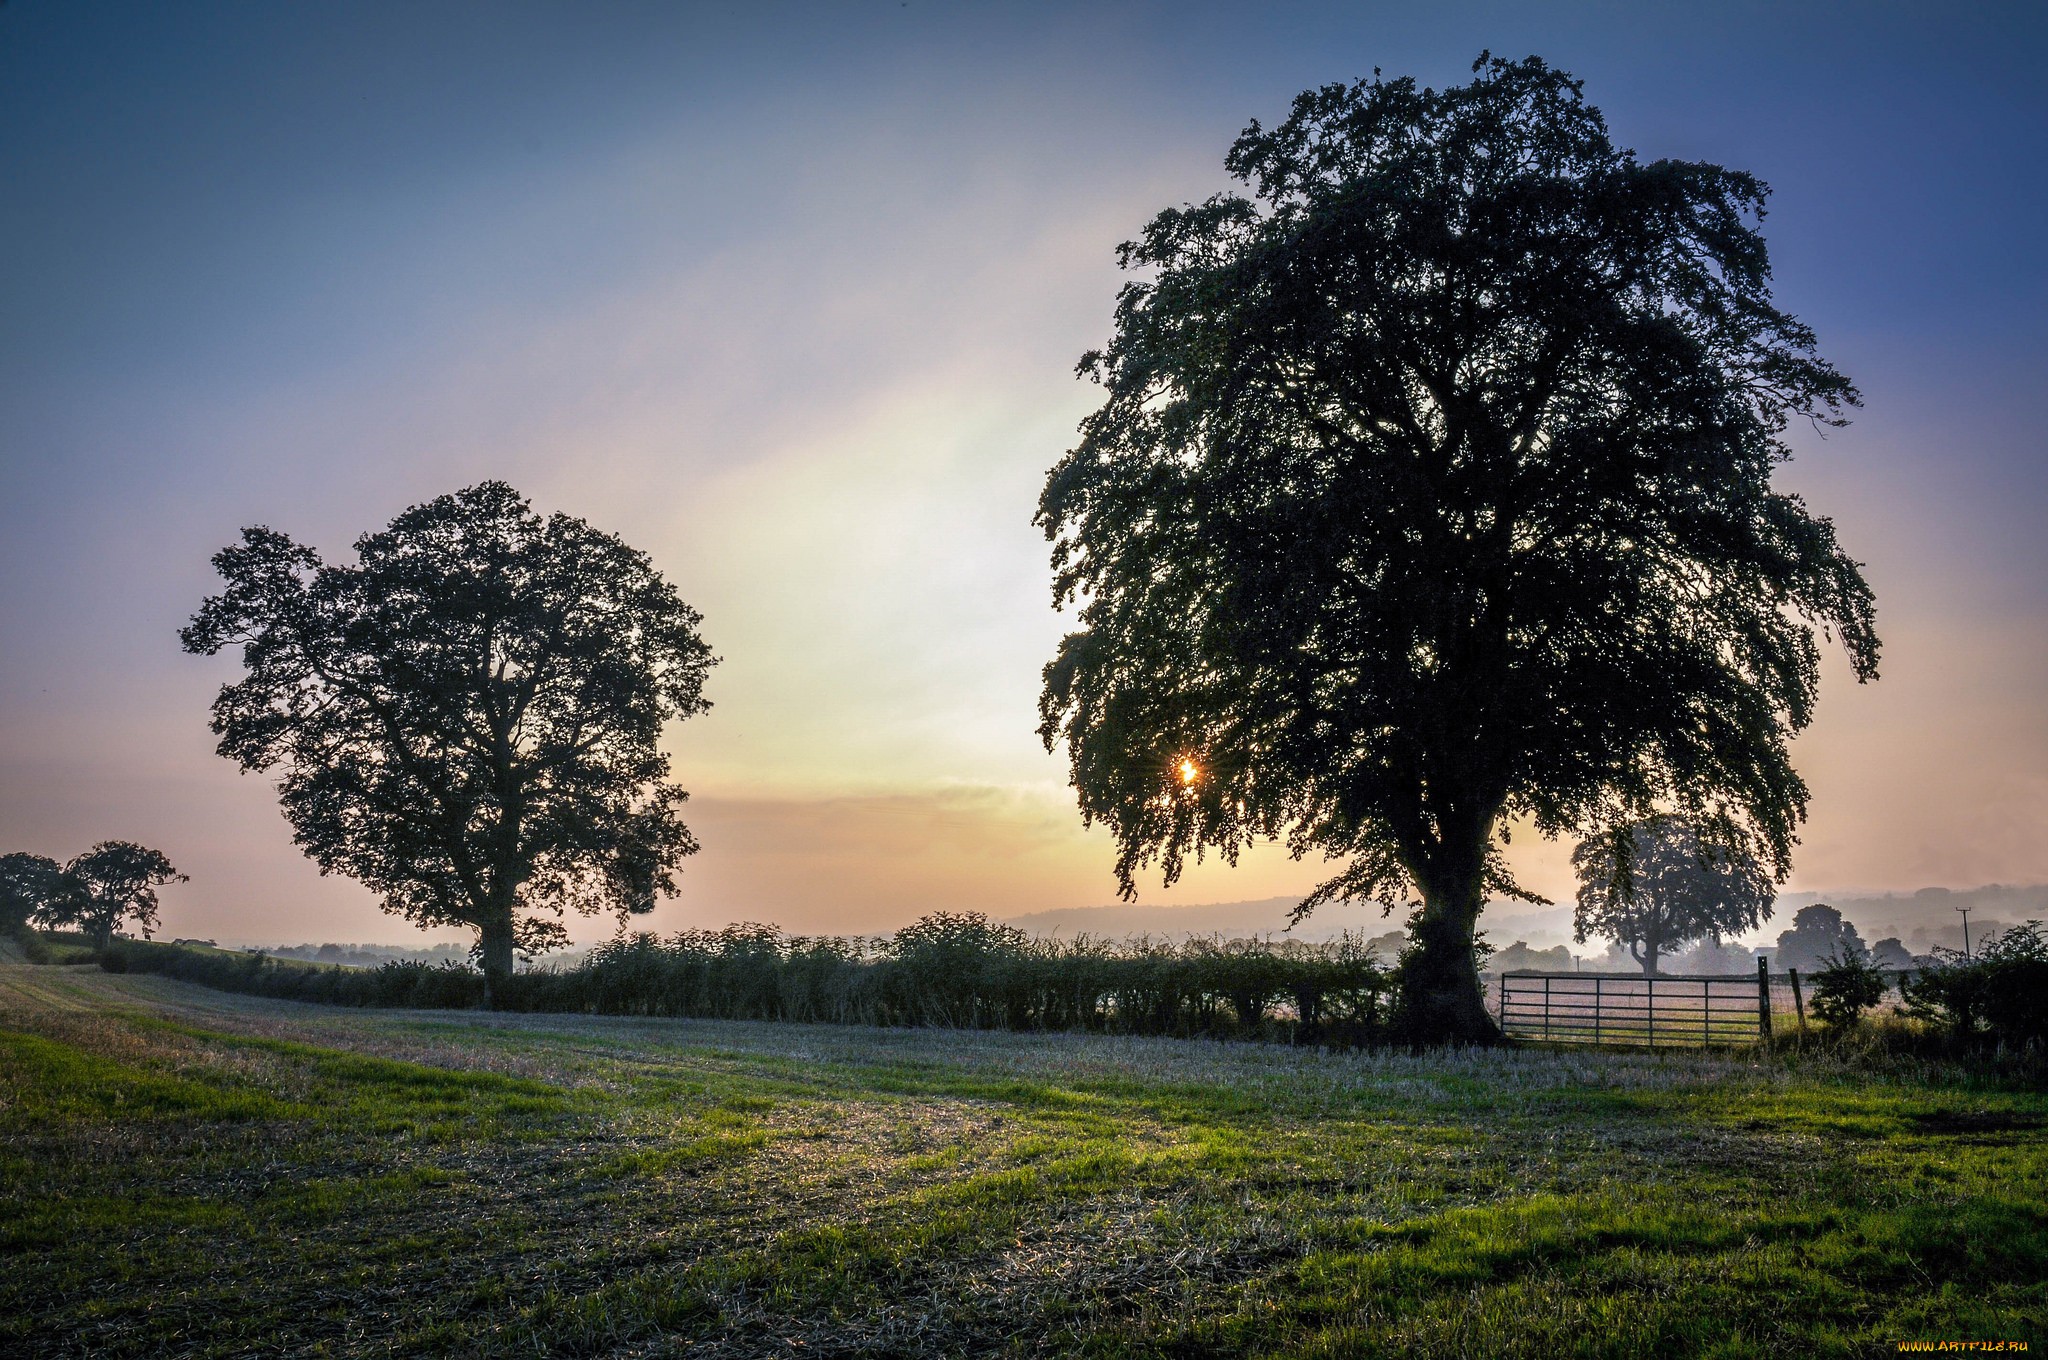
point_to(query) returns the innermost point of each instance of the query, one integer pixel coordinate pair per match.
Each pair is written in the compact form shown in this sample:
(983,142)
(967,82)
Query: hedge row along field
(963,972)
(956,971)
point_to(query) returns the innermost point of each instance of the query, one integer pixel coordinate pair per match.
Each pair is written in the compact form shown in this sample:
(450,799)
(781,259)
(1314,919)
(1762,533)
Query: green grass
(183,1172)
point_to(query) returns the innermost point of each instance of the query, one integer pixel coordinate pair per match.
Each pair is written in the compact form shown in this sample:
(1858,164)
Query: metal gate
(1629,1008)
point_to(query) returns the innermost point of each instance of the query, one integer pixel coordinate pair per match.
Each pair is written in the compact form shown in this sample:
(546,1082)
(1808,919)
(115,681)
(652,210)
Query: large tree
(1432,489)
(1660,883)
(467,718)
(109,885)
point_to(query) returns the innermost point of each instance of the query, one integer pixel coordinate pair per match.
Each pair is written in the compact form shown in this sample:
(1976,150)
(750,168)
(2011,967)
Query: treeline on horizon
(946,970)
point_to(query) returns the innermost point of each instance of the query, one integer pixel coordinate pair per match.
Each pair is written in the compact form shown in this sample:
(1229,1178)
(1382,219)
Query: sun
(1189,771)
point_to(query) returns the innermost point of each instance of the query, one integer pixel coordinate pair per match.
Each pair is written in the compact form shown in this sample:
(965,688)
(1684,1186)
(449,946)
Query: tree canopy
(113,883)
(1818,934)
(1431,489)
(1658,884)
(467,718)
(28,885)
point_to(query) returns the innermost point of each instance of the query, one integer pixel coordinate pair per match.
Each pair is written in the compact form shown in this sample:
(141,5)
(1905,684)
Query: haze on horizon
(791,300)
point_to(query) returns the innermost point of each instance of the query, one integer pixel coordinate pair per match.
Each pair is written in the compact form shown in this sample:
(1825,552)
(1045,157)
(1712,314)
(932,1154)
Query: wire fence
(1634,1009)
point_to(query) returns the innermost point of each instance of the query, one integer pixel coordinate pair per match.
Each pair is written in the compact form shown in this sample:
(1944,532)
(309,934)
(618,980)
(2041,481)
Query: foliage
(1847,985)
(1431,487)
(1519,957)
(112,883)
(1818,932)
(947,970)
(257,974)
(468,718)
(29,885)
(1660,883)
(2000,993)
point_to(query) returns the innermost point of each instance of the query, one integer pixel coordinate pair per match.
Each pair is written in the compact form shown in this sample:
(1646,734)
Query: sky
(790,296)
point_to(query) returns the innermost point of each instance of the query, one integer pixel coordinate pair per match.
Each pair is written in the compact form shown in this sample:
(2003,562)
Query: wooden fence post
(1546,1008)
(1763,1001)
(1596,1011)
(1798,1000)
(1650,1006)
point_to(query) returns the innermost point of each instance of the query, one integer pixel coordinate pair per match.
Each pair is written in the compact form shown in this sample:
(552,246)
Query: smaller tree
(29,884)
(114,882)
(1846,985)
(467,718)
(1658,884)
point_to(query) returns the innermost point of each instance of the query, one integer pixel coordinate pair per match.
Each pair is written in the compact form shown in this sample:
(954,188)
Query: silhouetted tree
(1432,487)
(1657,885)
(1818,933)
(28,884)
(114,882)
(467,717)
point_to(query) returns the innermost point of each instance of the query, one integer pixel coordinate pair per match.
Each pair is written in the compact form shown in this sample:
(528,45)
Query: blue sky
(790,297)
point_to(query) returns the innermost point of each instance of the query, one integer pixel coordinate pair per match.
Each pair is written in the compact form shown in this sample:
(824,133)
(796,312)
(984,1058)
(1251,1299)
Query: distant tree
(1891,953)
(112,883)
(1658,884)
(1387,946)
(1432,488)
(1519,956)
(467,718)
(1818,933)
(1713,957)
(28,885)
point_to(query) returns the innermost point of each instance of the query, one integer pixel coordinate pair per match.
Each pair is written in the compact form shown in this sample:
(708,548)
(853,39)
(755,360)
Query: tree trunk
(496,933)
(1650,957)
(1442,1000)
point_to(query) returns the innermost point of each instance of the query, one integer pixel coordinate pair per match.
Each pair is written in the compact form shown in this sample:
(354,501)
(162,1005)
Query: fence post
(1650,1006)
(1798,1000)
(1763,1001)
(1596,1011)
(1706,1013)
(1546,1008)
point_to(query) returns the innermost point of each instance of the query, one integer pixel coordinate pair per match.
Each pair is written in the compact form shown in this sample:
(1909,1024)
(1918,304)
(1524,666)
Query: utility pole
(1966,932)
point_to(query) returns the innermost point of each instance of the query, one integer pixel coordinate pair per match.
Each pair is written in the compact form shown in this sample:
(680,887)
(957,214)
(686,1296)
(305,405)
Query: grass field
(192,1173)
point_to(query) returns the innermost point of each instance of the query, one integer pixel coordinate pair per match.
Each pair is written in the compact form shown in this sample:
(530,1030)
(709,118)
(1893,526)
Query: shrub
(394,984)
(1846,985)
(946,969)
(2000,994)
(57,947)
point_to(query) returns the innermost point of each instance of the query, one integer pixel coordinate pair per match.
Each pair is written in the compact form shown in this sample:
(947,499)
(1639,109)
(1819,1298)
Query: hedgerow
(952,970)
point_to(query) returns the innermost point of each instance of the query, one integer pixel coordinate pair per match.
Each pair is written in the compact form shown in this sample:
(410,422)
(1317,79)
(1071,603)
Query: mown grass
(183,1173)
